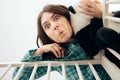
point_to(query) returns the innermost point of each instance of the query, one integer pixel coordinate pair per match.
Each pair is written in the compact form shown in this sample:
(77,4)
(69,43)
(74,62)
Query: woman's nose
(55,26)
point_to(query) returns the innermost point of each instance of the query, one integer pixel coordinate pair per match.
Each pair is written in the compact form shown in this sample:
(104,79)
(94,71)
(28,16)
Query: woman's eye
(56,18)
(47,26)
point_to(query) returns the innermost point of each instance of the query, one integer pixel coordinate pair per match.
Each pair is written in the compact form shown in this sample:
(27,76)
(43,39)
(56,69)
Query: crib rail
(108,66)
(113,18)
(45,63)
(50,64)
(113,70)
(106,18)
(112,2)
(114,53)
(111,22)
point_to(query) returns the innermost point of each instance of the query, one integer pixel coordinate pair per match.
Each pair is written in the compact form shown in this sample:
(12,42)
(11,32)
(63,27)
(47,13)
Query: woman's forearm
(39,51)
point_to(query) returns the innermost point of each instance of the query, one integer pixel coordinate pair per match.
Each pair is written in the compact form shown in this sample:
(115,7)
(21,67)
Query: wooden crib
(110,67)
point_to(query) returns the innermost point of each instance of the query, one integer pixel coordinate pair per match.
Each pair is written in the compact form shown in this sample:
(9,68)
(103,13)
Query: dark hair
(57,9)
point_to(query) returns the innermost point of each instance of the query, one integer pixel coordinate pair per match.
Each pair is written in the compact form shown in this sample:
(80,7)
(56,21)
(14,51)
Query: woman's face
(56,27)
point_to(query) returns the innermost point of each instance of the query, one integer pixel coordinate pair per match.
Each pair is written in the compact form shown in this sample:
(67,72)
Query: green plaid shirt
(74,52)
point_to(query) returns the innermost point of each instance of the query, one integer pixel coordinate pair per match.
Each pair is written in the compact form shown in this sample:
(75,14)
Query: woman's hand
(92,8)
(55,48)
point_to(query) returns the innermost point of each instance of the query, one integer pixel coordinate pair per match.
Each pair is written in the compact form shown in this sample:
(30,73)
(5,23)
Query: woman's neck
(70,40)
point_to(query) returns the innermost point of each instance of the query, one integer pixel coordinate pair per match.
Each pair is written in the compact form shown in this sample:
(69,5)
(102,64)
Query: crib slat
(113,18)
(33,72)
(48,71)
(113,2)
(111,69)
(114,53)
(63,71)
(94,72)
(19,72)
(79,72)
(4,73)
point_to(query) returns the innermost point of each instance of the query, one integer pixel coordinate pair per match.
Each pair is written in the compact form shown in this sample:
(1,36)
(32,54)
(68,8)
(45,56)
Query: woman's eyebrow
(50,18)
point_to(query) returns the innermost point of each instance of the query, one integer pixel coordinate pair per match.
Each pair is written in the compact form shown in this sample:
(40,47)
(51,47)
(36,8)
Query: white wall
(18,26)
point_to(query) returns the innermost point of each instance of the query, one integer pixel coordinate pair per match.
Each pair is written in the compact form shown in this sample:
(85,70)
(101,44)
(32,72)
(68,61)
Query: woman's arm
(94,8)
(116,14)
(37,54)
(55,48)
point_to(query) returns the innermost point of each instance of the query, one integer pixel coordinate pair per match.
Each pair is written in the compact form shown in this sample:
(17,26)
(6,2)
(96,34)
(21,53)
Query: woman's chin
(62,41)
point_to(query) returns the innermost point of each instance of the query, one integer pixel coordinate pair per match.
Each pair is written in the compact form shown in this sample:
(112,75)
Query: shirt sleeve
(116,14)
(29,56)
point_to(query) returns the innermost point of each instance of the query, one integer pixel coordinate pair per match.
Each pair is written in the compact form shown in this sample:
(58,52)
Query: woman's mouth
(62,34)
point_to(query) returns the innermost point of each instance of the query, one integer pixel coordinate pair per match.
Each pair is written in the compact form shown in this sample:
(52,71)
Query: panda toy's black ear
(71,9)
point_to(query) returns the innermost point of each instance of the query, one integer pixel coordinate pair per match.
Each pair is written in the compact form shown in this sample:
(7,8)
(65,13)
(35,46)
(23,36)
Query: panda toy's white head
(78,20)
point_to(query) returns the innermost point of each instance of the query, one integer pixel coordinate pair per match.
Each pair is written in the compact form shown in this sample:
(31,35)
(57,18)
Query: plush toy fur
(78,20)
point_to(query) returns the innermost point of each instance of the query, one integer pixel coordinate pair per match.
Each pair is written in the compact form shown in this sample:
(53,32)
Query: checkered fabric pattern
(74,52)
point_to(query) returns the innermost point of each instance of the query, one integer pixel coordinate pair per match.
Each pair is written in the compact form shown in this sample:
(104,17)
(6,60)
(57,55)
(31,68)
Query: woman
(59,43)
